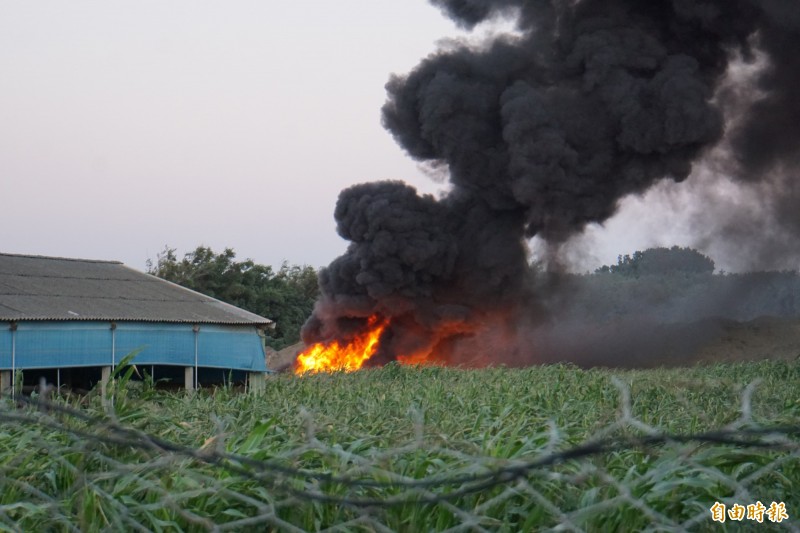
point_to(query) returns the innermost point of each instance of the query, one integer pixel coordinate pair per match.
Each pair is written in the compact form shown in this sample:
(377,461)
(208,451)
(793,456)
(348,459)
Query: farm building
(70,321)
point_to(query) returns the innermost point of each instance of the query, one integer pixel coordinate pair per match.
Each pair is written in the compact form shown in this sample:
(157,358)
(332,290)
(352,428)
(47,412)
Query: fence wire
(68,468)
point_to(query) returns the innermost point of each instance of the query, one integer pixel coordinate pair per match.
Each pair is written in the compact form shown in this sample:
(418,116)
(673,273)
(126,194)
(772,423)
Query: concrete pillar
(188,378)
(105,378)
(256,381)
(5,381)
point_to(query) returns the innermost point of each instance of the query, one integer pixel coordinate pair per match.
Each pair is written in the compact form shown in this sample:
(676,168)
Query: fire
(417,359)
(349,357)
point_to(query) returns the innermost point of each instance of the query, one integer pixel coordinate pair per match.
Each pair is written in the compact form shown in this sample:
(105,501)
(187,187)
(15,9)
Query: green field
(409,449)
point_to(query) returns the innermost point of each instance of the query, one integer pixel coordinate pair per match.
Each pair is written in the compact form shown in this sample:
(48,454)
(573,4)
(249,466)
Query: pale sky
(126,126)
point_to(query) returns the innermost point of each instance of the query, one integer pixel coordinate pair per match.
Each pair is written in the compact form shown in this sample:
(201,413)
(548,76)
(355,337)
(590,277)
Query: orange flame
(349,357)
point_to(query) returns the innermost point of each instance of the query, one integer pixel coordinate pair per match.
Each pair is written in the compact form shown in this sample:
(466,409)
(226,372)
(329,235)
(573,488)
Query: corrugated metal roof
(57,288)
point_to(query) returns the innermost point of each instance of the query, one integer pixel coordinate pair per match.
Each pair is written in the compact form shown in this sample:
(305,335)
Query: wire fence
(64,467)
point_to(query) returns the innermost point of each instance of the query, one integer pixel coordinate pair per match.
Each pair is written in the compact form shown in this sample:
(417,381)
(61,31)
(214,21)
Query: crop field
(412,449)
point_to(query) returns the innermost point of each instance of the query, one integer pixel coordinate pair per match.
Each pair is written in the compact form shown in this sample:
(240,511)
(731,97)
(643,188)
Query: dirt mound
(282,360)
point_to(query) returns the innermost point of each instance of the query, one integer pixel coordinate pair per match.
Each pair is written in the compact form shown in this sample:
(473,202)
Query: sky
(129,126)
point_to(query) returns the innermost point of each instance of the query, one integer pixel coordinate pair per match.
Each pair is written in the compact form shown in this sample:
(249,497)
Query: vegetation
(673,285)
(286,296)
(405,424)
(668,284)
(660,261)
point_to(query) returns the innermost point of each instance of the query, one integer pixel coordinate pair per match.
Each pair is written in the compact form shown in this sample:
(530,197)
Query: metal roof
(57,288)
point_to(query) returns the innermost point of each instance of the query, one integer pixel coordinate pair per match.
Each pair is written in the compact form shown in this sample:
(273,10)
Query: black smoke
(542,132)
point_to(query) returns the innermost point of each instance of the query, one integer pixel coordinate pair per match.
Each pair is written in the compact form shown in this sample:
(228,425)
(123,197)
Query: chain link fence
(68,467)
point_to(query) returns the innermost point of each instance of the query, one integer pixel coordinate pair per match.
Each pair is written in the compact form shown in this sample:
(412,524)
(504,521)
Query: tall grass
(403,424)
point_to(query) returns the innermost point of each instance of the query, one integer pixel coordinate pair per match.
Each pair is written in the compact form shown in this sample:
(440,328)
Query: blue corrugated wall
(5,346)
(71,344)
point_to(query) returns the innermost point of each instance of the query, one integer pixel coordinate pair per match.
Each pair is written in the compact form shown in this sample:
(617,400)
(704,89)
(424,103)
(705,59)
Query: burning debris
(543,132)
(349,356)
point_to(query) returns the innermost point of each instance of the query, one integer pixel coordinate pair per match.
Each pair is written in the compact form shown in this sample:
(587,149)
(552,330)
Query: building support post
(113,345)
(105,379)
(5,380)
(188,377)
(13,328)
(196,329)
(256,382)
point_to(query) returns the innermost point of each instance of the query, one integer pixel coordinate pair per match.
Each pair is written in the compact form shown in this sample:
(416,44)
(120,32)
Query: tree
(661,261)
(286,296)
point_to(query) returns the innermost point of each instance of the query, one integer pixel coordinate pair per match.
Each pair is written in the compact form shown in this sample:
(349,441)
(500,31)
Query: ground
(763,338)
(283,359)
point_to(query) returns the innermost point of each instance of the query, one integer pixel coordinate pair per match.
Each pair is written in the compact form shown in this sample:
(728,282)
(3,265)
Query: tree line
(679,284)
(285,296)
(674,284)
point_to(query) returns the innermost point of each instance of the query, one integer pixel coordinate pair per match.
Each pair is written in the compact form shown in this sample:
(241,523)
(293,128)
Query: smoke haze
(544,132)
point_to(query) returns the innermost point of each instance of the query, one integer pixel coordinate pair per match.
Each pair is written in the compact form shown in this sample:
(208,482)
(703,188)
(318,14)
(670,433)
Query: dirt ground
(763,338)
(283,360)
(728,341)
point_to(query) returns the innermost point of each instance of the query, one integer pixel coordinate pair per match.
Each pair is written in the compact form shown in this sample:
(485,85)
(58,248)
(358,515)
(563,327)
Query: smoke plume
(543,132)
